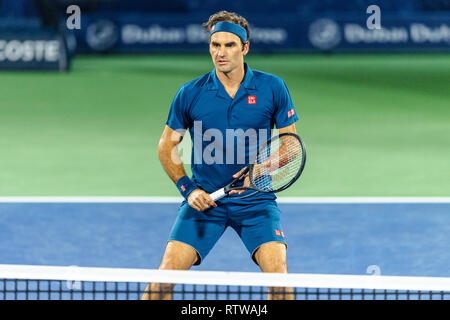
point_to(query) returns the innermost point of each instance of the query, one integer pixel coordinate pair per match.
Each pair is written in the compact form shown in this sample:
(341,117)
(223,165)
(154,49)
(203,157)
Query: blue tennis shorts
(255,223)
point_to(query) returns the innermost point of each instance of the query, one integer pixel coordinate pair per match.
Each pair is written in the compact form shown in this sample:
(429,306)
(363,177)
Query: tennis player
(231,98)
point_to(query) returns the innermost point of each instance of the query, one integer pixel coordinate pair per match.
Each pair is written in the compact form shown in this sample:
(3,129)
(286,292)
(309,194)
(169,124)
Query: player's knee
(173,264)
(177,262)
(274,266)
(178,256)
(271,257)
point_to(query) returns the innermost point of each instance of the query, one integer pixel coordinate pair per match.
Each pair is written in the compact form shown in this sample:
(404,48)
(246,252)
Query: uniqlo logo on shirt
(251,99)
(291,112)
(183,188)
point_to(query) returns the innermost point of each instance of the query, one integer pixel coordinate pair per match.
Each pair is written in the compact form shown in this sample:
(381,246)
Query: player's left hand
(246,182)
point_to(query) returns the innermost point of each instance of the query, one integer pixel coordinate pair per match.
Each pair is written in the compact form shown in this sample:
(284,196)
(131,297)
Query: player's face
(226,51)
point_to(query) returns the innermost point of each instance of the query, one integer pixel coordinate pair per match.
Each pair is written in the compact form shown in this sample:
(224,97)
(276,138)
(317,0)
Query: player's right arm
(170,159)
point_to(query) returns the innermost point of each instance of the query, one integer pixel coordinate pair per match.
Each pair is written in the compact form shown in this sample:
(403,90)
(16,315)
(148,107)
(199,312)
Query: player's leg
(177,256)
(193,235)
(271,257)
(260,229)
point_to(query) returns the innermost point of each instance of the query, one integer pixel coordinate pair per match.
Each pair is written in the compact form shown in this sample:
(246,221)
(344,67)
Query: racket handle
(219,194)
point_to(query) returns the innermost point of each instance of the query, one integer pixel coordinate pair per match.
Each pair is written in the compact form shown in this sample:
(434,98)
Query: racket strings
(277,164)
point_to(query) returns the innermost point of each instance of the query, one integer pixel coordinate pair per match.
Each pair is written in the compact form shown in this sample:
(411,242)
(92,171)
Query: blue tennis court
(407,239)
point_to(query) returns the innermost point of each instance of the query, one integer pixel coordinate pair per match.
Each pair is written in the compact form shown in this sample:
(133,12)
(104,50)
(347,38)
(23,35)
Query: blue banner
(139,33)
(410,35)
(33,50)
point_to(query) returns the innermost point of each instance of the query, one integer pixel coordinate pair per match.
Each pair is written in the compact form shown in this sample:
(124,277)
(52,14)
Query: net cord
(225,278)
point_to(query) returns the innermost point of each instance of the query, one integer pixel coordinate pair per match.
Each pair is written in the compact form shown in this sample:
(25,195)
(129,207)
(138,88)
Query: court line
(299,200)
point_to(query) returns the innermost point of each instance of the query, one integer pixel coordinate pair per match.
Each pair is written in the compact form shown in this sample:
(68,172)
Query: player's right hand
(200,200)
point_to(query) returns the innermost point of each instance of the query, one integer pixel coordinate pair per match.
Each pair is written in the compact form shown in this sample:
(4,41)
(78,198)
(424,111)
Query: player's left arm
(288,129)
(279,155)
(279,158)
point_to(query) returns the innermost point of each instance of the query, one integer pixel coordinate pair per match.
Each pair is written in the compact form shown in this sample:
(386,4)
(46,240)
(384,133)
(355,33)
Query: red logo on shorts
(183,188)
(251,99)
(291,112)
(279,233)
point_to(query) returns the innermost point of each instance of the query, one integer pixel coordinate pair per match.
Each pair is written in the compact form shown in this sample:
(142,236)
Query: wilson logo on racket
(291,112)
(251,99)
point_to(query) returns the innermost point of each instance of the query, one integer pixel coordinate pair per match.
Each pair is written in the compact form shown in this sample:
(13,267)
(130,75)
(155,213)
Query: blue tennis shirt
(226,132)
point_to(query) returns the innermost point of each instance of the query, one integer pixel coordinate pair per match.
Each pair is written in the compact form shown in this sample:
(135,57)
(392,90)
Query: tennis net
(22,282)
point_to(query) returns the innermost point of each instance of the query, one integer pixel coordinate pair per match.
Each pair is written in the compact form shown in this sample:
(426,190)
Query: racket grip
(219,194)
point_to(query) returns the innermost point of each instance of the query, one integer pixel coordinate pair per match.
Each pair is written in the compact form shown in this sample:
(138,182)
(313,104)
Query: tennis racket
(277,165)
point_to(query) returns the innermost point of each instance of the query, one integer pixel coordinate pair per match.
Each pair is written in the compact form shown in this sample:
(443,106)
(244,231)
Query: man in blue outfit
(225,108)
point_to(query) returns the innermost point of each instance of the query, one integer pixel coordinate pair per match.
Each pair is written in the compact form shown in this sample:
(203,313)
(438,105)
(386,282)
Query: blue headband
(225,26)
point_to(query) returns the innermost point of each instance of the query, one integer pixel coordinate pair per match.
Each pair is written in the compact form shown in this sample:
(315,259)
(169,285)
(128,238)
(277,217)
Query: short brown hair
(229,17)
